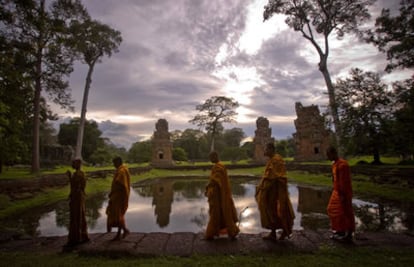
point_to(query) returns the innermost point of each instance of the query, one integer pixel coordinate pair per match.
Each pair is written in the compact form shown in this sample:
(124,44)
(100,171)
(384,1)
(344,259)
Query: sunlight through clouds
(240,82)
(257,31)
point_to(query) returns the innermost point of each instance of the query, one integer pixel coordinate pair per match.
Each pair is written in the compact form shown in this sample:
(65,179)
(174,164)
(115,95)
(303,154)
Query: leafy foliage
(364,107)
(215,111)
(33,34)
(140,152)
(403,123)
(395,36)
(91,142)
(179,154)
(194,143)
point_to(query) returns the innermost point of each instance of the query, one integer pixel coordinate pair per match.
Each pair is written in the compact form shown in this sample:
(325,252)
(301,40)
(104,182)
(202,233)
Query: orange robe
(272,197)
(118,197)
(340,209)
(77,223)
(222,212)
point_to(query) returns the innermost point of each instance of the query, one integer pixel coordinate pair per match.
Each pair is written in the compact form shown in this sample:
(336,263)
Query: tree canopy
(394,35)
(215,111)
(364,108)
(33,35)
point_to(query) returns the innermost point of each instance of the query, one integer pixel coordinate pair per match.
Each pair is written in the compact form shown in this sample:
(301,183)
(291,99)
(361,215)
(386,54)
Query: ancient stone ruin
(161,145)
(262,136)
(311,137)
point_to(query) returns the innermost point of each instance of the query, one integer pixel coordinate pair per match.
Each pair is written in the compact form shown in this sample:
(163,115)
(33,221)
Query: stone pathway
(187,244)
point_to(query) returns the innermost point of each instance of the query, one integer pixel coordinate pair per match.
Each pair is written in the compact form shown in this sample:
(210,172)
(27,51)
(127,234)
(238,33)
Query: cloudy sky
(176,54)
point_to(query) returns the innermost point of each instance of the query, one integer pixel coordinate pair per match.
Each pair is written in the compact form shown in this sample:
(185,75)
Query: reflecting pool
(179,205)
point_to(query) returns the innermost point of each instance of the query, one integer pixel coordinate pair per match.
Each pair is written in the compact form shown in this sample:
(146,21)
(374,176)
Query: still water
(179,205)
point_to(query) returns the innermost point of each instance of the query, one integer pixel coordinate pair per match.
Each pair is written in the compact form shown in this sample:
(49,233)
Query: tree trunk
(36,126)
(332,102)
(376,155)
(79,140)
(212,144)
(36,99)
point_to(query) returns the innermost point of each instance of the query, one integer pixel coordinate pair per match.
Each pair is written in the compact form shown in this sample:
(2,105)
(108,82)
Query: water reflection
(179,205)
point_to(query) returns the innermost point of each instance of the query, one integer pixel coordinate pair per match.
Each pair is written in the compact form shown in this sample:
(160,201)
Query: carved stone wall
(262,136)
(311,137)
(161,145)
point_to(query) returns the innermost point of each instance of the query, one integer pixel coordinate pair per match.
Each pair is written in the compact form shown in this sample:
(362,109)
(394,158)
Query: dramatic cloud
(176,54)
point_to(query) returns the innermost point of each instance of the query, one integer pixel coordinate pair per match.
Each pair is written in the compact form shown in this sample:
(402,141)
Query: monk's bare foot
(283,236)
(271,236)
(126,232)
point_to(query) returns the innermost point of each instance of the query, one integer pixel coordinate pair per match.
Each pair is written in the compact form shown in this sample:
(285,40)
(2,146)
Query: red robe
(340,211)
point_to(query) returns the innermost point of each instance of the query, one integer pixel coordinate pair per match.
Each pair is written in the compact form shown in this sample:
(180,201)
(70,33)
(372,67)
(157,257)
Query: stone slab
(180,244)
(152,244)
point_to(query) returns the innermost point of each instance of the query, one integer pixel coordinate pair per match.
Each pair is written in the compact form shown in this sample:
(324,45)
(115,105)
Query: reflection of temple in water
(313,200)
(163,196)
(312,204)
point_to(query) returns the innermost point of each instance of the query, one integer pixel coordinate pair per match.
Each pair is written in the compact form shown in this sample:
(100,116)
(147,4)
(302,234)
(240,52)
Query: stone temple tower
(311,137)
(161,145)
(262,136)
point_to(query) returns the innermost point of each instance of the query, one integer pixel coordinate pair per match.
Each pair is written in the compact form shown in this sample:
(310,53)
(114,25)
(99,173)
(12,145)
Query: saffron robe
(272,196)
(222,212)
(118,197)
(340,211)
(77,222)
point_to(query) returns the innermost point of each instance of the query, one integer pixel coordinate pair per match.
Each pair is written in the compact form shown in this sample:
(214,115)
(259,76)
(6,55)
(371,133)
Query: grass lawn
(324,257)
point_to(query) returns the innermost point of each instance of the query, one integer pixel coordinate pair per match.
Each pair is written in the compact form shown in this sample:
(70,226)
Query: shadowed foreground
(187,244)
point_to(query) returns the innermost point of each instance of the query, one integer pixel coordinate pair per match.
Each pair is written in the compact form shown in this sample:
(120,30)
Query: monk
(118,199)
(340,211)
(77,223)
(222,212)
(272,197)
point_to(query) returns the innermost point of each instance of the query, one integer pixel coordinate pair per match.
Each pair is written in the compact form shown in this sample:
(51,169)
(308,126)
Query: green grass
(324,257)
(48,196)
(24,172)
(361,186)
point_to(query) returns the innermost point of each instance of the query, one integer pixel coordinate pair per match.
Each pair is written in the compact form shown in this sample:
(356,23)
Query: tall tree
(364,108)
(91,40)
(38,29)
(215,110)
(394,35)
(91,142)
(316,20)
(403,121)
